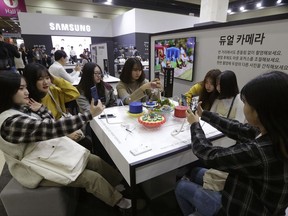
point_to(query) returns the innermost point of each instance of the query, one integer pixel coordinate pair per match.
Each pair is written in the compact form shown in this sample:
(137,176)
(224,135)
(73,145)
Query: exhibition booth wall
(247,47)
(128,30)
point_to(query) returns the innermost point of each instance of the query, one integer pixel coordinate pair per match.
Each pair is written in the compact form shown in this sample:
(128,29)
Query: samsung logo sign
(69,27)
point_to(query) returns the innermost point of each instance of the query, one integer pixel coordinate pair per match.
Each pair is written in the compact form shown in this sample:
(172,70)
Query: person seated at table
(53,92)
(133,86)
(92,75)
(257,165)
(84,59)
(57,68)
(206,89)
(27,127)
(228,103)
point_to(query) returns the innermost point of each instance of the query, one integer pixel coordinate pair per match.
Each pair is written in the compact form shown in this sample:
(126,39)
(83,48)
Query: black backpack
(4,57)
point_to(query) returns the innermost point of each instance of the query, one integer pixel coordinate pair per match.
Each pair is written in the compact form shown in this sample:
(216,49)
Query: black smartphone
(94,94)
(157,75)
(183,100)
(194,103)
(108,116)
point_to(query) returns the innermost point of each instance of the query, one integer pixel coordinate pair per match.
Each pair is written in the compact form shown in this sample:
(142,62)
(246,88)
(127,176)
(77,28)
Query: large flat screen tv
(178,53)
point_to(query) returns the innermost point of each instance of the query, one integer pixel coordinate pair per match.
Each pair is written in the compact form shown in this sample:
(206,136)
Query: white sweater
(222,108)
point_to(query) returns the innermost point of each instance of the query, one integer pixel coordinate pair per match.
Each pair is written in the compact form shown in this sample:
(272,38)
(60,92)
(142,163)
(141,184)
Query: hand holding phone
(191,116)
(94,94)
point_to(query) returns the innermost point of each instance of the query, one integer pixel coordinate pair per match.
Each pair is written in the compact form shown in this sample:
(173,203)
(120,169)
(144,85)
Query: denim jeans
(192,197)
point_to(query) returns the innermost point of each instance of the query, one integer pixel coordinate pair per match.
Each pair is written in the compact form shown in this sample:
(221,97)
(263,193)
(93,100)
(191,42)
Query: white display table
(168,152)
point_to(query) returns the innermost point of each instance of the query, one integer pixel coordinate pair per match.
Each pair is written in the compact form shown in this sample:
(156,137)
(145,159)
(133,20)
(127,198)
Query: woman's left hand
(76,135)
(34,105)
(191,117)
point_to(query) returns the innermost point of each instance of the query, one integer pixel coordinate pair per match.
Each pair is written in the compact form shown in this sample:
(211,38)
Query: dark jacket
(10,50)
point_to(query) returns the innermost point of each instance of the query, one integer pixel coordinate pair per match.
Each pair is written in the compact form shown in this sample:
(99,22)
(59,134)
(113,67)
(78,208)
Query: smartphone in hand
(157,75)
(94,94)
(194,103)
(183,100)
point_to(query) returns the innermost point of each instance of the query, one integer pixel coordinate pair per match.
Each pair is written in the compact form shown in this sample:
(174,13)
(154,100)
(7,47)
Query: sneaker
(124,203)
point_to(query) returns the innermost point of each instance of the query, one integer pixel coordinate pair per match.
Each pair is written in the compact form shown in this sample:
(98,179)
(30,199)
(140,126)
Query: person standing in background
(135,52)
(7,54)
(52,55)
(22,49)
(37,55)
(19,64)
(30,55)
(73,55)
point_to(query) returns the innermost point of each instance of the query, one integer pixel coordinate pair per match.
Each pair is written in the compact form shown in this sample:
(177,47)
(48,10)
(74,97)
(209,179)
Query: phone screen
(194,103)
(94,94)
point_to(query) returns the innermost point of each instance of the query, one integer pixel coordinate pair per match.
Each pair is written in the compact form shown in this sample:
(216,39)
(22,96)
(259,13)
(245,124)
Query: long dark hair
(228,84)
(126,73)
(9,85)
(32,72)
(268,95)
(87,80)
(208,98)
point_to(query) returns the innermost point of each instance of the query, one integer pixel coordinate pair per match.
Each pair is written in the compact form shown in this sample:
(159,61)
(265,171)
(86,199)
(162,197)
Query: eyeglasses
(136,69)
(97,74)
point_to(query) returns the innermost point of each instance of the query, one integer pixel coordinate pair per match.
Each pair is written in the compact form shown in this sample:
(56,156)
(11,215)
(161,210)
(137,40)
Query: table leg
(133,190)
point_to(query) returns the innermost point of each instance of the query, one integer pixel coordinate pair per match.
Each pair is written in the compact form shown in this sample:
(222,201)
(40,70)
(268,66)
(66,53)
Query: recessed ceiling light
(242,8)
(279,1)
(109,2)
(259,5)
(229,11)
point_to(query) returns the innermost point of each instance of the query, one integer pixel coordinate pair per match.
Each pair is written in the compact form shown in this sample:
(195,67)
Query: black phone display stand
(168,82)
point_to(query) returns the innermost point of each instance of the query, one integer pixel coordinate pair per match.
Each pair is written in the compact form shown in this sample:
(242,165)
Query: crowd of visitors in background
(15,57)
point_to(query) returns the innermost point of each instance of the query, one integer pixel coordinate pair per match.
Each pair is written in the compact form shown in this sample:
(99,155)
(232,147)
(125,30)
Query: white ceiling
(88,9)
(81,8)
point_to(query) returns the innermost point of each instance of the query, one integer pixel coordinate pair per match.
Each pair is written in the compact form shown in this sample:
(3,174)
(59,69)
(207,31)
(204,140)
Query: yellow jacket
(195,90)
(63,92)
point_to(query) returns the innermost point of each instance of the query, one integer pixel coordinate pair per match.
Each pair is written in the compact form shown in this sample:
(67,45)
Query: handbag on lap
(60,160)
(214,179)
